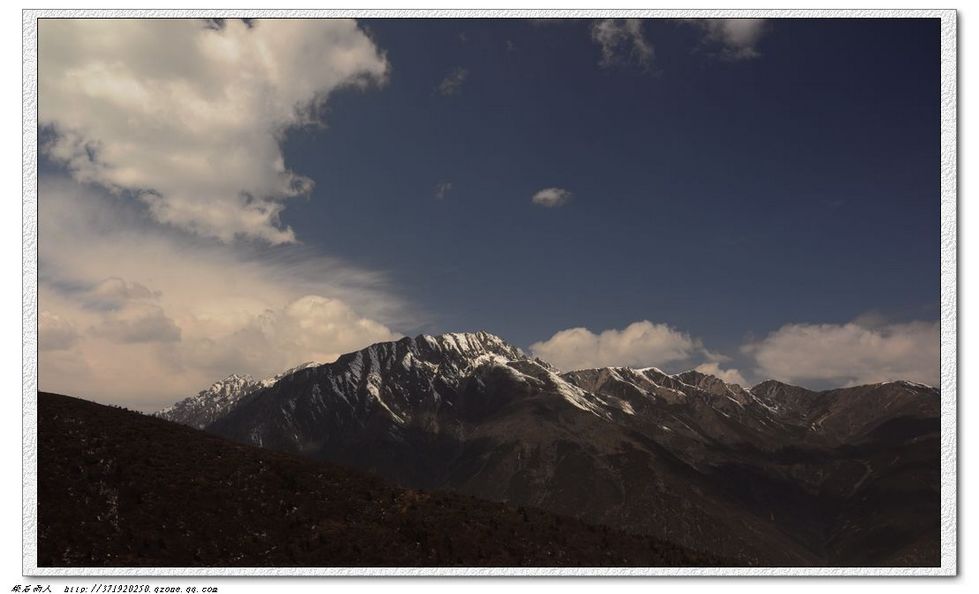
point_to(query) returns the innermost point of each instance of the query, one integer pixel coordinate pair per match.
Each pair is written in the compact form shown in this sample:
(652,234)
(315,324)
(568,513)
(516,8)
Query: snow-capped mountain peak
(269,381)
(203,408)
(211,403)
(472,344)
(232,383)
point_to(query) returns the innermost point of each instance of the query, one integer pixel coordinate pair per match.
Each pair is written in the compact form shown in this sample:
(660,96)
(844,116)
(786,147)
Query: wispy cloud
(442,189)
(452,83)
(622,41)
(732,39)
(551,197)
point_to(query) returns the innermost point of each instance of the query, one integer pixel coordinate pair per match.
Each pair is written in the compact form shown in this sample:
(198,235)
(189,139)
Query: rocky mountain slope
(120,489)
(775,474)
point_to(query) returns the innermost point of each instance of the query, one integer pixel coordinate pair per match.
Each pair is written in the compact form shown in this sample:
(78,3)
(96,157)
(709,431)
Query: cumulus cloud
(138,322)
(639,344)
(622,40)
(188,117)
(452,83)
(735,39)
(850,354)
(310,328)
(113,293)
(731,376)
(135,313)
(551,197)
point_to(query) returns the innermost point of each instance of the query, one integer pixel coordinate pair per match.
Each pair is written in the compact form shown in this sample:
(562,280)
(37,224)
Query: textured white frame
(949,236)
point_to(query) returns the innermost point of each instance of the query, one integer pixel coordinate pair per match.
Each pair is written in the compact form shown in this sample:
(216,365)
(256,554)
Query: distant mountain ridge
(775,474)
(471,350)
(205,407)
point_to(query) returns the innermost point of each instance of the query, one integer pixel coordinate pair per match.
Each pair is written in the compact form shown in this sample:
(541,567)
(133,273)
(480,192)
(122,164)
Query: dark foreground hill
(116,488)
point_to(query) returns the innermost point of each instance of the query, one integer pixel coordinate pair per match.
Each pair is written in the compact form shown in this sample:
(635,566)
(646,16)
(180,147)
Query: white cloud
(639,344)
(190,118)
(737,39)
(731,376)
(551,197)
(621,40)
(849,354)
(310,328)
(136,313)
(452,83)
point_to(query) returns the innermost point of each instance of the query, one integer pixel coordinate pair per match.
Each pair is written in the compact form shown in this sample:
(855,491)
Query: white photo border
(949,295)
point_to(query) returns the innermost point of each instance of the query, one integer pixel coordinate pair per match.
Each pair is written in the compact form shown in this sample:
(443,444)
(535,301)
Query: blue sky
(725,197)
(725,184)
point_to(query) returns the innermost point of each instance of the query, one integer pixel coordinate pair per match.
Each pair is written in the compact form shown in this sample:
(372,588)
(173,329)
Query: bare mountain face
(775,474)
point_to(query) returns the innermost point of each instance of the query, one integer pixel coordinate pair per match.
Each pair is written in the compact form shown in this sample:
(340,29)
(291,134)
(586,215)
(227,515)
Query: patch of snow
(625,406)
(373,388)
(915,384)
(734,400)
(575,395)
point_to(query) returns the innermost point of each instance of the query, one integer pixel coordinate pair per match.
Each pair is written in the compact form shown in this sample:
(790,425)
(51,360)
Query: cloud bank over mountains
(131,310)
(822,354)
(640,344)
(850,354)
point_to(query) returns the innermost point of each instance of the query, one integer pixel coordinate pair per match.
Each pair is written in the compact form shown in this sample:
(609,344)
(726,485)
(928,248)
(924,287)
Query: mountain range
(774,474)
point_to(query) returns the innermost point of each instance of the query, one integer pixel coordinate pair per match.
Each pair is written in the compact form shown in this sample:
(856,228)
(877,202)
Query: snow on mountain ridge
(409,376)
(213,402)
(274,378)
